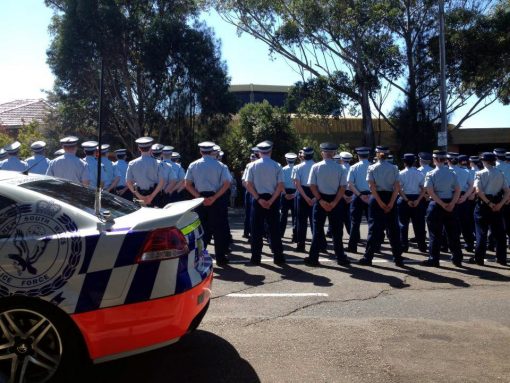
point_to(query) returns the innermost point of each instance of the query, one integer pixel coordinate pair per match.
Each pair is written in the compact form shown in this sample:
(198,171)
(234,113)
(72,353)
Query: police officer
(493,192)
(425,161)
(168,174)
(287,198)
(58,153)
(247,195)
(166,156)
(13,163)
(67,165)
(384,185)
(38,163)
(208,178)
(304,198)
(144,177)
(412,193)
(120,169)
(108,177)
(265,183)
(358,184)
(89,147)
(346,201)
(226,197)
(463,207)
(180,174)
(328,181)
(444,190)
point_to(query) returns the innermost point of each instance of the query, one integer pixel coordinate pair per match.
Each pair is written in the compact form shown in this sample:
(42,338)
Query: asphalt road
(339,324)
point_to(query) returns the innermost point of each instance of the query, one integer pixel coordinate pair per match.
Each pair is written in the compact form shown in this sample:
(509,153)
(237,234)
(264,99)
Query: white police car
(74,285)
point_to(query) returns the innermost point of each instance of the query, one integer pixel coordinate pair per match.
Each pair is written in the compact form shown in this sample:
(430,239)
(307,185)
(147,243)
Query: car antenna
(97,203)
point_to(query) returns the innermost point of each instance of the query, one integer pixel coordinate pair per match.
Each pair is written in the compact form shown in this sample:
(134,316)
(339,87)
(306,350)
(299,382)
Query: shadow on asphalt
(198,357)
(294,274)
(237,274)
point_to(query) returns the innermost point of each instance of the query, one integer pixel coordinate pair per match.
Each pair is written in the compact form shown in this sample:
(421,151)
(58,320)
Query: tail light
(163,244)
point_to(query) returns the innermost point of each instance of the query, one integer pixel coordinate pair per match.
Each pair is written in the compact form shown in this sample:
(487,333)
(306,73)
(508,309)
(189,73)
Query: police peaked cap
(363,150)
(144,142)
(89,146)
(176,155)
(500,152)
(307,150)
(452,155)
(463,158)
(488,156)
(69,141)
(13,148)
(206,146)
(157,148)
(474,158)
(121,152)
(382,149)
(409,157)
(38,146)
(291,156)
(439,154)
(425,156)
(265,146)
(168,149)
(328,147)
(346,155)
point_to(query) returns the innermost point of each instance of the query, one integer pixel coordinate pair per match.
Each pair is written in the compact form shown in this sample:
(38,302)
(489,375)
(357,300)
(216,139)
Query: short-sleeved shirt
(108,173)
(302,172)
(265,175)
(13,164)
(120,170)
(178,170)
(411,181)
(504,167)
(425,169)
(207,174)
(463,177)
(358,175)
(491,181)
(92,168)
(69,167)
(144,171)
(287,177)
(37,164)
(443,181)
(384,174)
(167,172)
(329,176)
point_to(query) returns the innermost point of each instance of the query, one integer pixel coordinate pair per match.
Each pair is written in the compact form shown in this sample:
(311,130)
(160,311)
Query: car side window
(5,202)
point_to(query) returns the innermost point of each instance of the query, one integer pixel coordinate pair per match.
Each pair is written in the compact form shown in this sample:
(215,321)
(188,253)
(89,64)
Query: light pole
(442,136)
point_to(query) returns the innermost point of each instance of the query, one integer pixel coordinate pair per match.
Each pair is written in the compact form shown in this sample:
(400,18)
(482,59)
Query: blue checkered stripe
(108,276)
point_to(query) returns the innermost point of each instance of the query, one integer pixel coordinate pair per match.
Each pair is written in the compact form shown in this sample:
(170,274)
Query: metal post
(99,139)
(442,139)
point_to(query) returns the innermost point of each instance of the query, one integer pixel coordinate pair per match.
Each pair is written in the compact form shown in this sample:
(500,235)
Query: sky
(24,73)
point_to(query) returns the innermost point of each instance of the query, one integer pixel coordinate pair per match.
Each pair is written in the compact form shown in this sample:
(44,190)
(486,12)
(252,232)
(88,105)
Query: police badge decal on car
(40,247)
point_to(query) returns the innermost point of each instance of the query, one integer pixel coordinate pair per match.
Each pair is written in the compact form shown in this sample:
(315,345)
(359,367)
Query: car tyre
(38,344)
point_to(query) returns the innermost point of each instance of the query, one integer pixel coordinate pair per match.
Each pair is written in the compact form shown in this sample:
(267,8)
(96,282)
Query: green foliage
(27,135)
(314,97)
(163,73)
(5,139)
(257,123)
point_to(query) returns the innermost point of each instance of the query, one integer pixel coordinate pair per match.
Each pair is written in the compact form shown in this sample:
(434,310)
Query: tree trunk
(368,128)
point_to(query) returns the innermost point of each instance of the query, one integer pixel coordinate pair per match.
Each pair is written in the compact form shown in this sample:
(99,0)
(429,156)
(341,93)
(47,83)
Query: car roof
(6,175)
(17,177)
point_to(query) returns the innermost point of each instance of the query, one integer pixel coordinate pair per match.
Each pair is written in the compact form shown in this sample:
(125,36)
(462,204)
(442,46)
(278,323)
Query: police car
(76,285)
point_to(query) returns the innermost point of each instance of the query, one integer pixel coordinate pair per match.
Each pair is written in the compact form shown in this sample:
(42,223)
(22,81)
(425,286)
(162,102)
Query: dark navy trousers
(407,214)
(336,223)
(358,209)
(438,220)
(260,220)
(378,221)
(304,214)
(287,205)
(214,221)
(485,218)
(466,220)
(247,212)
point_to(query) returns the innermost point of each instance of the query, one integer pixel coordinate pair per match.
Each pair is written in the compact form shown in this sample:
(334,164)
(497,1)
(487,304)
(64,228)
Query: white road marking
(276,295)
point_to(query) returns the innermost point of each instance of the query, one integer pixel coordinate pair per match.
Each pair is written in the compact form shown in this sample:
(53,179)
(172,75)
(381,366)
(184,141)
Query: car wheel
(37,344)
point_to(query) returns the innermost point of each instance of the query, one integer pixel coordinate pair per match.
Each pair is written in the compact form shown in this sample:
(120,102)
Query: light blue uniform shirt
(472,173)
(167,172)
(463,177)
(38,164)
(230,178)
(13,164)
(245,173)
(358,175)
(120,170)
(144,171)
(287,177)
(177,169)
(504,167)
(107,172)
(265,174)
(69,167)
(208,174)
(384,174)
(411,181)
(443,181)
(92,167)
(425,169)
(490,181)
(302,172)
(328,175)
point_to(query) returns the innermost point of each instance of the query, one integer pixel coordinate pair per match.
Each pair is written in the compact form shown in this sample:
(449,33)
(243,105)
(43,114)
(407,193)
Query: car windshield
(81,197)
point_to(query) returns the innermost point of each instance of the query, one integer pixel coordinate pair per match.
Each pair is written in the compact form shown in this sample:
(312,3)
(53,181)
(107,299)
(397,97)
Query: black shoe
(457,262)
(222,262)
(329,235)
(365,262)
(444,249)
(279,261)
(300,249)
(430,263)
(246,235)
(323,251)
(343,262)
(423,249)
(399,262)
(405,249)
(228,250)
(502,263)
(413,240)
(311,262)
(473,261)
(469,248)
(254,262)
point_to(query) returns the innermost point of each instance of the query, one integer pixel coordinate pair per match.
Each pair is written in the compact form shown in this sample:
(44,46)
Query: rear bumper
(120,331)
